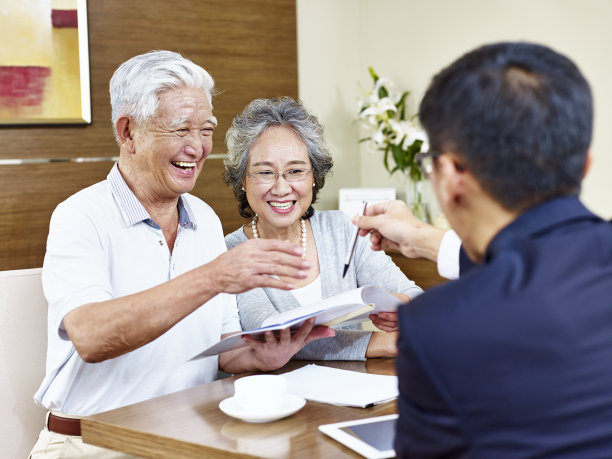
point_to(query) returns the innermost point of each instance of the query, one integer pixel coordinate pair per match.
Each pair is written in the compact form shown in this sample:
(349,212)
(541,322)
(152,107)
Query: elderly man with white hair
(136,271)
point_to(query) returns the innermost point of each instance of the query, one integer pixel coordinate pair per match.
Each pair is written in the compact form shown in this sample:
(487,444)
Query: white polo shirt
(103,244)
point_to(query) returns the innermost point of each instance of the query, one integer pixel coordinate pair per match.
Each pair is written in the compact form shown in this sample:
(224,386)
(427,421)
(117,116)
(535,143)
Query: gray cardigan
(332,231)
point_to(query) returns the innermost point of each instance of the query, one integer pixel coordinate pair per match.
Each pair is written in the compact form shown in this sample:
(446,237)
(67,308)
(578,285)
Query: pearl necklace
(302,224)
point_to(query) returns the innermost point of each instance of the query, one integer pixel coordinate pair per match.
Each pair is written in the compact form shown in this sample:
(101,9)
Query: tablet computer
(370,437)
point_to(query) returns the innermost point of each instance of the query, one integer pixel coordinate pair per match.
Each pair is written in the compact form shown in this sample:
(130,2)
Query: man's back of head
(519,116)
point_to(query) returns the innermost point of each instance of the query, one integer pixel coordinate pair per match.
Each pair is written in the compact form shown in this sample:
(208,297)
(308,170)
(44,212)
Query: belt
(64,426)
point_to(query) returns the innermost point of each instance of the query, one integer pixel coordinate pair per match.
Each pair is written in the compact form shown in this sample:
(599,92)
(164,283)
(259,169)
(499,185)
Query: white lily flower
(378,138)
(381,82)
(372,98)
(380,108)
(413,133)
(425,145)
(398,132)
(381,117)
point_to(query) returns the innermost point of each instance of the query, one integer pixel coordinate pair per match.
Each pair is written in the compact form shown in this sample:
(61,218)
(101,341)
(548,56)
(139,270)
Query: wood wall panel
(248,46)
(423,272)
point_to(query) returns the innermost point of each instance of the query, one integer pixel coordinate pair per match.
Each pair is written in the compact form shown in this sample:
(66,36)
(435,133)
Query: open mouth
(184,165)
(282,205)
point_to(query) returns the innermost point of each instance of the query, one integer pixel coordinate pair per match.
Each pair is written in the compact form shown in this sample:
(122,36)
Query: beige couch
(23,345)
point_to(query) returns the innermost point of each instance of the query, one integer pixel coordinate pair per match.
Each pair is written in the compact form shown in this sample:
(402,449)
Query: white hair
(137,83)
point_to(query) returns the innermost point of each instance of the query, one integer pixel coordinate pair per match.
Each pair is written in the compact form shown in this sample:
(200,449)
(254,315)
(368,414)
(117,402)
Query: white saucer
(291,404)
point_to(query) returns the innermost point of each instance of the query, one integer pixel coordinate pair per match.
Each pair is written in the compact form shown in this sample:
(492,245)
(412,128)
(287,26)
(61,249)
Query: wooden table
(189,423)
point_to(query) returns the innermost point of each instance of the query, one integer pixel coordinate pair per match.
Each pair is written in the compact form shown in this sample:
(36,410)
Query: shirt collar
(541,219)
(134,212)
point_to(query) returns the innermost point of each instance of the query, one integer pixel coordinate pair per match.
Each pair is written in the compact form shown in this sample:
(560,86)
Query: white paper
(382,300)
(341,387)
(350,199)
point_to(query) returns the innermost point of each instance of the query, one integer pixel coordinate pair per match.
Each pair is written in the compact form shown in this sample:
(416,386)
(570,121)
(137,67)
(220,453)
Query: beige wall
(408,41)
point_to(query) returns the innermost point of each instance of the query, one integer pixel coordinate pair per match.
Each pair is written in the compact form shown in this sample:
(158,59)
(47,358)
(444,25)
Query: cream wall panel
(328,62)
(410,40)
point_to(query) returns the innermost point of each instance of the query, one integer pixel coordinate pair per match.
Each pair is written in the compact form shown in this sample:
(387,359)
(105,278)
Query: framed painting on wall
(44,62)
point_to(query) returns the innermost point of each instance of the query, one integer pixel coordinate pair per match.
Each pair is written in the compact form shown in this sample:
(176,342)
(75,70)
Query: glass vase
(415,200)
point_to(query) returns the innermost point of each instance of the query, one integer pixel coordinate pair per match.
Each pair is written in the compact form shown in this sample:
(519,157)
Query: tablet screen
(370,437)
(378,434)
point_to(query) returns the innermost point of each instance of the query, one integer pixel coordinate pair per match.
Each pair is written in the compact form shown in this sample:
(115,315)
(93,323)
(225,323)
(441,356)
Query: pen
(349,254)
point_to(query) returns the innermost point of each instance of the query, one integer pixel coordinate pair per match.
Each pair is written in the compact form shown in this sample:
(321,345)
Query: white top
(103,244)
(308,293)
(448,255)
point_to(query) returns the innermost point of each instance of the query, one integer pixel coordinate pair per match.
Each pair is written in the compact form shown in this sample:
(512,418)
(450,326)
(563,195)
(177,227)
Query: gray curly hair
(254,120)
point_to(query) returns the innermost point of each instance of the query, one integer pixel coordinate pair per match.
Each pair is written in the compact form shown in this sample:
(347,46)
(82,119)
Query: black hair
(519,116)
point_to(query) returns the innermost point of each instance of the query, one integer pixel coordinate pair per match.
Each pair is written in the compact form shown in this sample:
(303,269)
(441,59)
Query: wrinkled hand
(253,263)
(391,225)
(274,352)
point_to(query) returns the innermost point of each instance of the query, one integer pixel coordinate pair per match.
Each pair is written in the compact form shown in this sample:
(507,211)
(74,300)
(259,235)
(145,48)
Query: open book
(353,305)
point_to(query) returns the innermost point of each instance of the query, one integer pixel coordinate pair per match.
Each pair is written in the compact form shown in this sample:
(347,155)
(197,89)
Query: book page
(382,301)
(348,300)
(367,309)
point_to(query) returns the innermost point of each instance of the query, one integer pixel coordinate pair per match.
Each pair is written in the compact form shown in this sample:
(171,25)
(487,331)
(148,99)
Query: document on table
(341,387)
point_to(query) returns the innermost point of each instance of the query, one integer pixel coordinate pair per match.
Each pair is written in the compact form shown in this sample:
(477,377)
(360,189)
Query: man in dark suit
(513,359)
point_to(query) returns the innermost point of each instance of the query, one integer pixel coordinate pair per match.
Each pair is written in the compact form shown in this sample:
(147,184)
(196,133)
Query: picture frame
(44,62)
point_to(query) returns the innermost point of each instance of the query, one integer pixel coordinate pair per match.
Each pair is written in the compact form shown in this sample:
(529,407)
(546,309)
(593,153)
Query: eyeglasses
(268,177)
(425,161)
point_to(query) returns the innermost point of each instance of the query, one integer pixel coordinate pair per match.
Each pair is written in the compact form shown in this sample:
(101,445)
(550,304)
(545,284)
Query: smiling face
(279,205)
(170,149)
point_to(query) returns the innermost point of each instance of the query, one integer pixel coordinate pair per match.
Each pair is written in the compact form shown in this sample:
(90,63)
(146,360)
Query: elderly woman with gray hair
(276,164)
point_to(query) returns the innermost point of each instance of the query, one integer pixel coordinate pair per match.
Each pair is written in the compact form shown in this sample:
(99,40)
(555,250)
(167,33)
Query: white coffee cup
(260,393)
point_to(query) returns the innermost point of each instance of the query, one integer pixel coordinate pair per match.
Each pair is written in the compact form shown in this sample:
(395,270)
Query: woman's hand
(387,321)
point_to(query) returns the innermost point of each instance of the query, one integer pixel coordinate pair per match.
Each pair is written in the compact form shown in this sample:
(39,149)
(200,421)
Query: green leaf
(382,92)
(373,74)
(365,139)
(401,105)
(386,157)
(398,156)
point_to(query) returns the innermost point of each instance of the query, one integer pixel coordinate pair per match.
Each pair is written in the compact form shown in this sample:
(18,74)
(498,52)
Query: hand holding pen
(391,225)
(354,236)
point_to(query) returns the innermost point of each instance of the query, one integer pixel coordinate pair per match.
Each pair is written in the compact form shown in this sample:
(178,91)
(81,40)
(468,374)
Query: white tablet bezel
(356,444)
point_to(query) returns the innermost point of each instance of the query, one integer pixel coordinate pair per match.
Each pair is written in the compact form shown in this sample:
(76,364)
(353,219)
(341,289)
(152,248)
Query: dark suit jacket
(514,359)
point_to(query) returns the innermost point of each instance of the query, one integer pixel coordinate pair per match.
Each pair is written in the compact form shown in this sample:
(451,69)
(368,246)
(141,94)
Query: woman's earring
(243,189)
